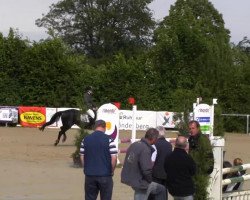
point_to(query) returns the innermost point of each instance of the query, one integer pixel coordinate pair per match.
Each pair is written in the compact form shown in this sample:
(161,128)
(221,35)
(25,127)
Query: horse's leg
(61,132)
(64,134)
(58,137)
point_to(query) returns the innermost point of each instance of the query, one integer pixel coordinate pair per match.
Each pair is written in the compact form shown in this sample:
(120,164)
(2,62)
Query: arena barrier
(239,194)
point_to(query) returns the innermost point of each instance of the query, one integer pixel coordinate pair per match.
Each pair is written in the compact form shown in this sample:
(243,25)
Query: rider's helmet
(89,89)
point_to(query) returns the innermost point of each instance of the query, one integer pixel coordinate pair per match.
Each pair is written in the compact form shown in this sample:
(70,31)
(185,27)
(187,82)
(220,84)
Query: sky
(21,15)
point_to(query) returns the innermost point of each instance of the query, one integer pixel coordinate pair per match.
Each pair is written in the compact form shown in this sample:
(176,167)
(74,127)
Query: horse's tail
(53,119)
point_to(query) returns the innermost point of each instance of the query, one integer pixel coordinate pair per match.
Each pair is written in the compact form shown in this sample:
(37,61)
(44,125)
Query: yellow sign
(32,117)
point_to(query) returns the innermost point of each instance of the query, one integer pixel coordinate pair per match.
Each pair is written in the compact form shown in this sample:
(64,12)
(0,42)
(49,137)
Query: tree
(12,52)
(192,52)
(235,96)
(101,28)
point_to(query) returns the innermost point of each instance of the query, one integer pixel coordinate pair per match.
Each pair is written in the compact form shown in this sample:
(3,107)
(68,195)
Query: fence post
(215,187)
(247,124)
(133,138)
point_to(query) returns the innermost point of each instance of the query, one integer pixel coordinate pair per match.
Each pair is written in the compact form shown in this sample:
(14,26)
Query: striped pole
(235,179)
(235,168)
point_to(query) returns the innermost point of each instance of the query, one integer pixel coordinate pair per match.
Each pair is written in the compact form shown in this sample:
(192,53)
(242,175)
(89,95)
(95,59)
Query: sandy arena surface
(31,168)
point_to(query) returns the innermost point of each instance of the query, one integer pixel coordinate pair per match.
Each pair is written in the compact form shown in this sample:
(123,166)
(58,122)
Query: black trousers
(96,184)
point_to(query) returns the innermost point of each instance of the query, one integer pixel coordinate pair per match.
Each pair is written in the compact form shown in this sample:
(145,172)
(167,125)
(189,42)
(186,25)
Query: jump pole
(133,138)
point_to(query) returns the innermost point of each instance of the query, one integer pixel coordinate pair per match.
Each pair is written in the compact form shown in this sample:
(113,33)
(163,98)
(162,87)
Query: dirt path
(31,168)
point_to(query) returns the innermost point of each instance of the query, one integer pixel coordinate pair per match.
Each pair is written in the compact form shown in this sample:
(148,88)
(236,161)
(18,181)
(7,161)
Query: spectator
(200,147)
(98,155)
(137,168)
(164,149)
(180,169)
(226,188)
(237,162)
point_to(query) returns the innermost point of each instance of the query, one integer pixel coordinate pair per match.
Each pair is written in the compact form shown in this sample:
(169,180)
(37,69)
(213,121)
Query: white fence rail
(236,195)
(241,195)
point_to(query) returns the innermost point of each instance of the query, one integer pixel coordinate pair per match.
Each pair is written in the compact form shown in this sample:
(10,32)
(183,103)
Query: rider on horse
(88,100)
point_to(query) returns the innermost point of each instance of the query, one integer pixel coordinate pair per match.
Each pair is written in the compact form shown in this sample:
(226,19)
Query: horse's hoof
(56,143)
(41,128)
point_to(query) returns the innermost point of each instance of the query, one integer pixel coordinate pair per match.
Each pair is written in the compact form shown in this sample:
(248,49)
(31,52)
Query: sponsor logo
(110,111)
(204,110)
(32,117)
(203,119)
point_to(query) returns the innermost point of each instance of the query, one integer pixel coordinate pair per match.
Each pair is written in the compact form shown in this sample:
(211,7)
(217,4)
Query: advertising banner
(110,114)
(8,114)
(202,114)
(144,119)
(166,119)
(32,116)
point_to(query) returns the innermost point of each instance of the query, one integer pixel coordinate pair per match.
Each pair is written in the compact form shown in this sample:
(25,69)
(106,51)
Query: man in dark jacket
(164,149)
(200,147)
(201,150)
(180,168)
(137,168)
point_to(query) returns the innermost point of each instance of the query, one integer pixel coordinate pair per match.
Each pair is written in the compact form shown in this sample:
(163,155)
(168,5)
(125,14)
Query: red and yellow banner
(32,116)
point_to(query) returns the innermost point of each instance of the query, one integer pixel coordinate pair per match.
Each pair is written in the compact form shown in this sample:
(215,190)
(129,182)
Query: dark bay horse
(69,118)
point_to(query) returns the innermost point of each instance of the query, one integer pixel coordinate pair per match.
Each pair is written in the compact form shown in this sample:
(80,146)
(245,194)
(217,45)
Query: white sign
(166,119)
(110,114)
(9,114)
(144,120)
(202,114)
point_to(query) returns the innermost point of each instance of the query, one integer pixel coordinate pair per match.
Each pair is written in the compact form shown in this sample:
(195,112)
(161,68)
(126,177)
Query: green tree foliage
(235,97)
(192,52)
(12,52)
(41,74)
(123,78)
(101,28)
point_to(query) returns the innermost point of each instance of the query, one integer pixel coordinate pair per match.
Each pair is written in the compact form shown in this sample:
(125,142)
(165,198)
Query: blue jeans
(184,198)
(154,188)
(94,184)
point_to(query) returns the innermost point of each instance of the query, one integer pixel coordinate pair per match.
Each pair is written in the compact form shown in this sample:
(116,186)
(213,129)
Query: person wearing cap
(180,169)
(98,154)
(88,100)
(164,149)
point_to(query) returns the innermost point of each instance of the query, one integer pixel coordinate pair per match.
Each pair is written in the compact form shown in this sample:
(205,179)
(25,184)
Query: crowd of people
(151,176)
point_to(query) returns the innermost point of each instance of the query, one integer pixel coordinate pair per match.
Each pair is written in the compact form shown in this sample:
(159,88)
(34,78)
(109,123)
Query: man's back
(164,149)
(180,168)
(137,169)
(97,158)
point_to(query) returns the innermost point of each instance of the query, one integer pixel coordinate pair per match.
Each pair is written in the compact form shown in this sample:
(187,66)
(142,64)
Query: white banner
(165,119)
(144,120)
(9,114)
